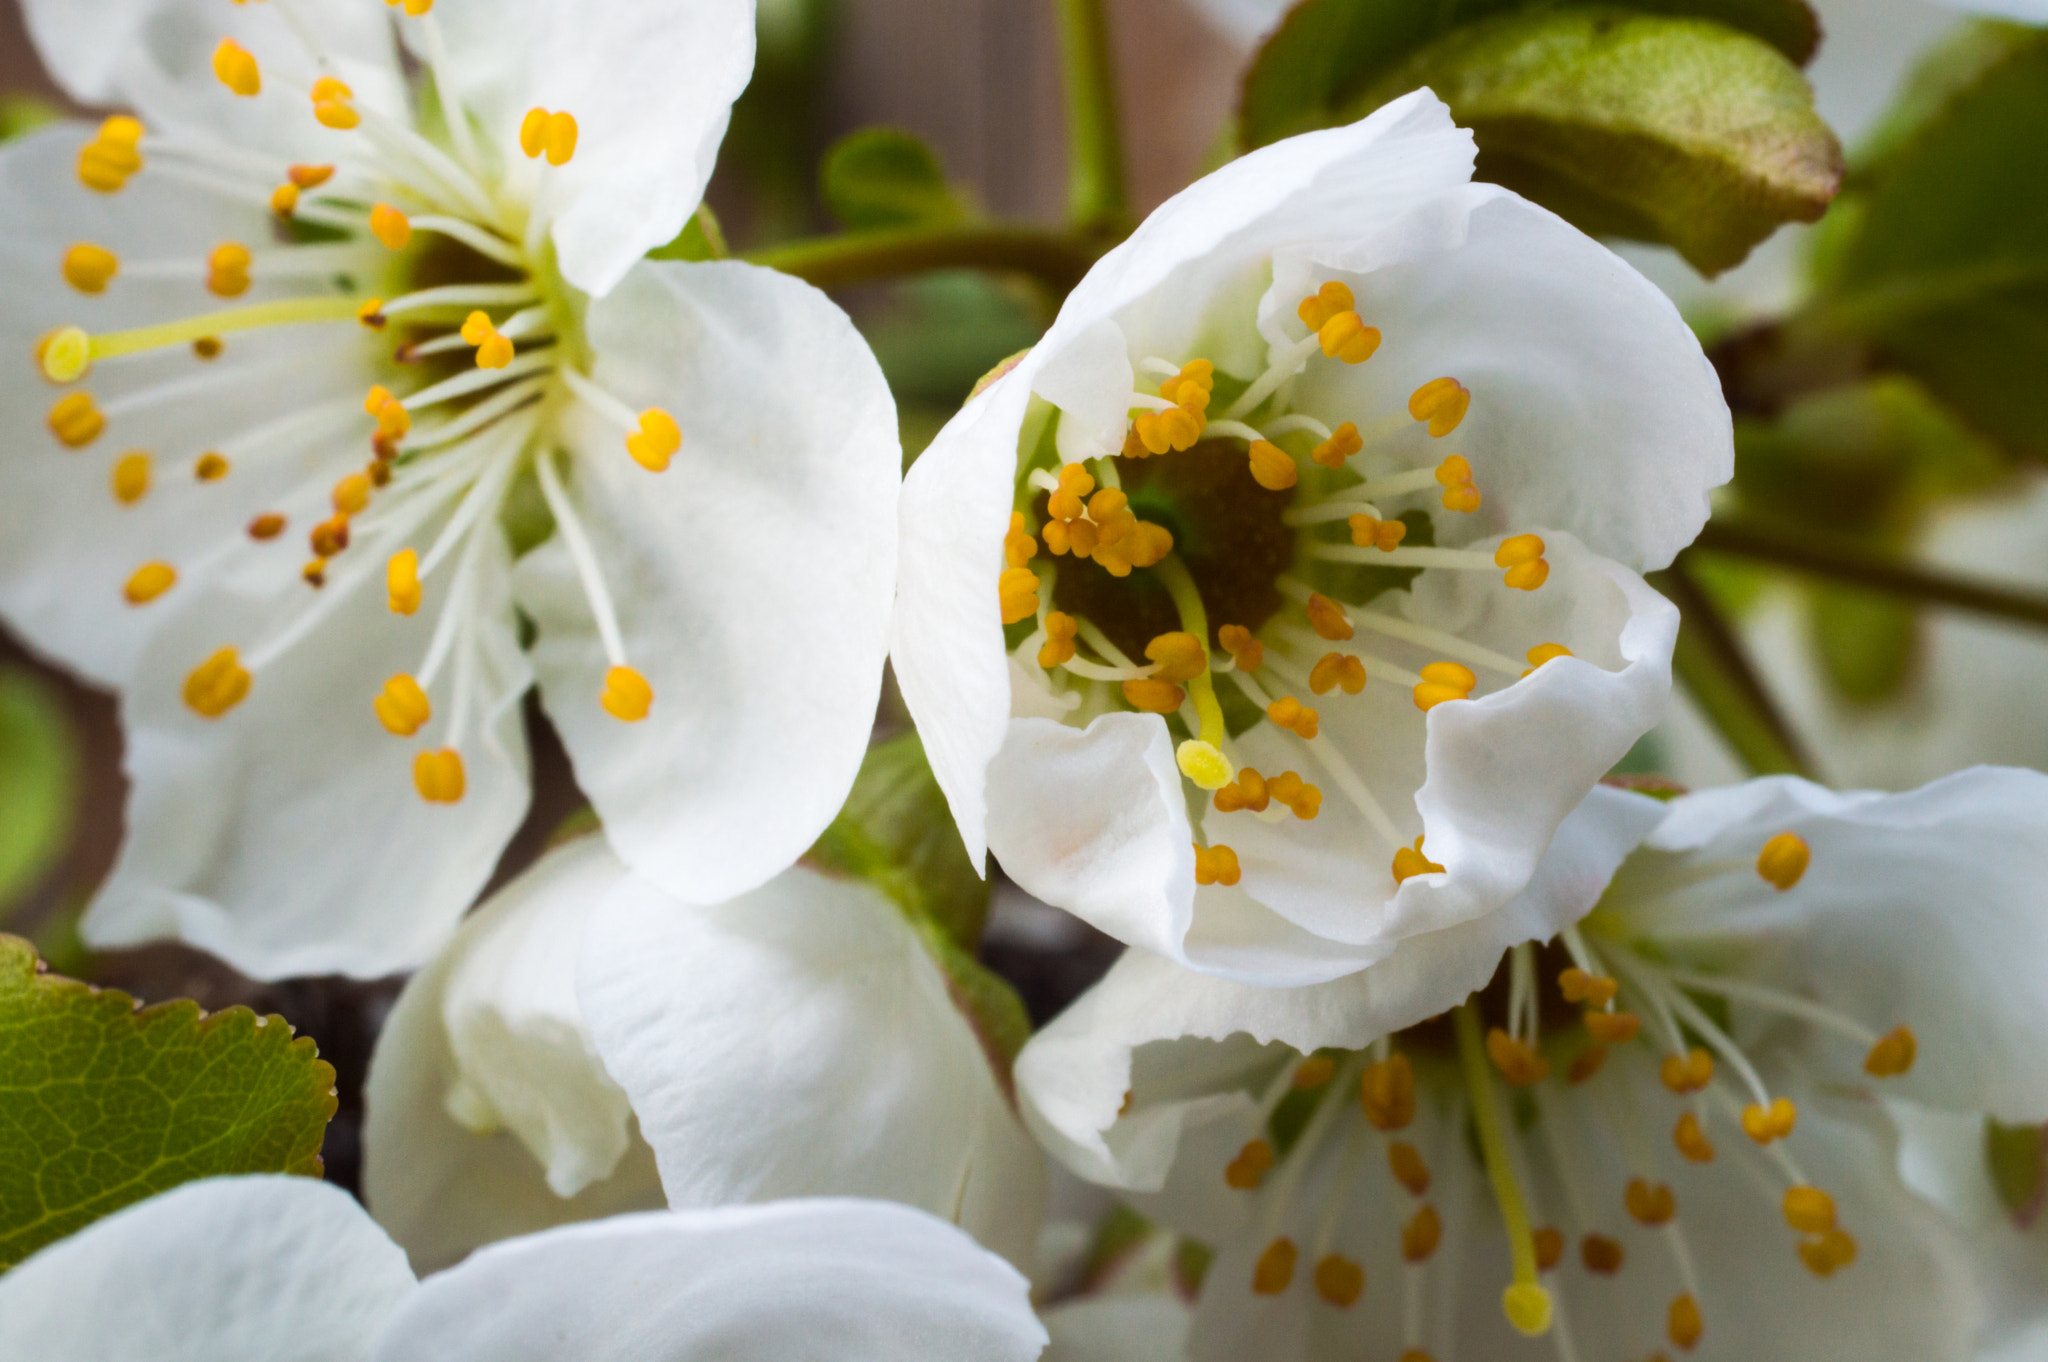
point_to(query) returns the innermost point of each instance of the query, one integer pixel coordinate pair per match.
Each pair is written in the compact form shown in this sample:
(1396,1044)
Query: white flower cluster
(1279,614)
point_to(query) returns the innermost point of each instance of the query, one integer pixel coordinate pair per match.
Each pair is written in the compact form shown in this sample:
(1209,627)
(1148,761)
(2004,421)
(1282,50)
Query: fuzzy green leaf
(38,782)
(102,1104)
(878,178)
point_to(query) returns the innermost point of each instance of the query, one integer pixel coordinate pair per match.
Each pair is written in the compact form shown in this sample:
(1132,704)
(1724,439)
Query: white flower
(278,498)
(587,1044)
(282,1269)
(1692,1149)
(1279,530)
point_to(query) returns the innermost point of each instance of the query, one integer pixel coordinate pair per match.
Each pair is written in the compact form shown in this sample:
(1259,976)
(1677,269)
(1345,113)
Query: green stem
(1054,258)
(1855,566)
(1712,666)
(1526,1303)
(1095,186)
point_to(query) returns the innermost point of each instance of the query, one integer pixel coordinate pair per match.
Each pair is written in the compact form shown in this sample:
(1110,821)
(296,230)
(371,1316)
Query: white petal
(799,1041)
(1928,909)
(490,1029)
(1244,22)
(650,86)
(247,1269)
(753,578)
(799,1281)
(1150,1328)
(287,836)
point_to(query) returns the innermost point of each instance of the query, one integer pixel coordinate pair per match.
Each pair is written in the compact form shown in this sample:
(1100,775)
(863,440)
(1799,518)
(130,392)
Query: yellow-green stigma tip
(1203,764)
(67,354)
(1527,1306)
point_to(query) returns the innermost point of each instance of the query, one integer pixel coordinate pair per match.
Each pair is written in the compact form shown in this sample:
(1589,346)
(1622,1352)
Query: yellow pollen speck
(1527,1307)
(626,695)
(1809,1210)
(1272,467)
(1691,1140)
(1386,1092)
(1060,631)
(1275,1268)
(1442,402)
(402,707)
(1893,1054)
(1249,1168)
(1829,1253)
(1339,1281)
(87,267)
(1765,1124)
(237,69)
(1018,590)
(1454,475)
(1650,1203)
(75,419)
(371,314)
(1344,441)
(1150,696)
(106,162)
(1600,1254)
(552,134)
(1368,532)
(1522,556)
(218,684)
(1518,1062)
(1613,1028)
(65,354)
(148,582)
(1409,1170)
(438,776)
(657,440)
(131,477)
(209,467)
(1245,650)
(1783,860)
(1687,1073)
(1333,670)
(390,226)
(333,105)
(1216,865)
(402,582)
(1420,1236)
(1410,862)
(1578,986)
(1200,762)
(1683,1325)
(1442,681)
(227,270)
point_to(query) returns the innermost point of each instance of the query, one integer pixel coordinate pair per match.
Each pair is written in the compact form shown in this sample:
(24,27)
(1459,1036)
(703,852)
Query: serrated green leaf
(2017,1159)
(1326,53)
(102,1104)
(1680,131)
(38,782)
(877,178)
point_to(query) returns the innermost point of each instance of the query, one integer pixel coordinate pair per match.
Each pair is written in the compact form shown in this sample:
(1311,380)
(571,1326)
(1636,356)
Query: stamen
(269,525)
(578,544)
(1683,1325)
(1216,865)
(402,706)
(1273,467)
(1783,860)
(1386,1092)
(106,162)
(390,226)
(627,696)
(1338,446)
(1580,986)
(1809,1210)
(1018,588)
(1060,631)
(1443,403)
(1525,1302)
(1339,1281)
(493,348)
(334,105)
(71,351)
(1410,862)
(1275,1268)
(1460,492)
(87,267)
(1444,681)
(1893,1054)
(1406,1164)
(237,69)
(1518,1062)
(1767,1123)
(1828,1254)
(1691,1139)
(438,776)
(76,420)
(210,467)
(1421,1235)
(553,134)
(217,685)
(1613,1028)
(227,270)
(1370,532)
(1545,652)
(402,582)
(1194,620)
(1333,670)
(1254,1161)
(148,582)
(131,477)
(1244,648)
(1687,1073)
(1328,618)
(1650,1204)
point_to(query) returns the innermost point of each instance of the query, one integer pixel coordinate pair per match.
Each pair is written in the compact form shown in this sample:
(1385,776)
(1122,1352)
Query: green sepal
(22,114)
(879,178)
(701,239)
(38,782)
(2016,1157)
(103,1103)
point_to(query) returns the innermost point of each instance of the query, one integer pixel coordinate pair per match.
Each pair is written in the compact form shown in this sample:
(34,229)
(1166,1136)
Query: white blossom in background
(285,1269)
(588,1044)
(1315,523)
(324,348)
(1667,1128)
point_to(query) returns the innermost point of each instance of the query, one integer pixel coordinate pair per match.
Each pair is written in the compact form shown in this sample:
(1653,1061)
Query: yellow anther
(1154,697)
(1687,1073)
(1416,1355)
(1765,1124)
(1327,618)
(227,270)
(284,200)
(438,776)
(1549,1242)
(1216,865)
(1292,715)
(1683,1326)
(390,226)
(1893,1054)
(1203,764)
(87,267)
(1600,1254)
(1586,1063)
(1691,1140)
(371,314)
(1522,556)
(1527,1307)
(315,573)
(352,493)
(1068,500)
(218,684)
(65,354)
(106,162)
(1809,1210)
(1405,1161)
(329,537)
(334,106)
(550,134)
(269,525)
(209,467)
(1347,337)
(1314,1071)
(1339,1281)
(1019,547)
(1651,1203)
(1442,681)
(1174,430)
(75,419)
(1144,546)
(413,7)
(1018,589)
(402,582)
(1333,670)
(1060,629)
(1386,1090)
(1420,1236)
(1326,302)
(1244,648)
(131,477)
(1829,1253)
(1273,467)
(1545,652)
(1297,794)
(495,352)
(1454,474)
(1578,986)
(1516,1060)
(1246,791)
(1613,1028)
(402,707)
(1249,1168)
(1442,402)
(1385,535)
(1783,860)
(626,695)
(1180,656)
(207,347)
(1410,862)
(148,582)
(393,421)
(1192,385)
(657,440)
(1344,441)
(1275,1268)
(236,68)
(309,176)
(476,328)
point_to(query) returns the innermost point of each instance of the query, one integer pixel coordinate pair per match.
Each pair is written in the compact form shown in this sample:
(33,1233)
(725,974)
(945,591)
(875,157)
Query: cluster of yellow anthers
(1178,427)
(1097,524)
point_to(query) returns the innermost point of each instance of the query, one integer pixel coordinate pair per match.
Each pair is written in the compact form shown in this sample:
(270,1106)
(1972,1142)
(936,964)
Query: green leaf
(2017,1159)
(38,782)
(102,1104)
(1327,53)
(878,178)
